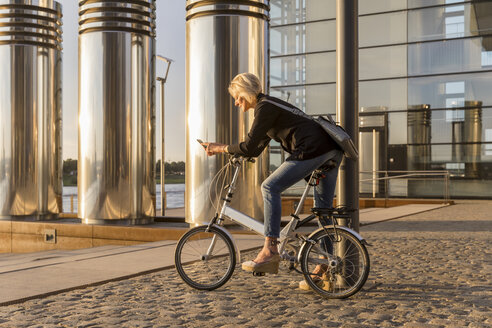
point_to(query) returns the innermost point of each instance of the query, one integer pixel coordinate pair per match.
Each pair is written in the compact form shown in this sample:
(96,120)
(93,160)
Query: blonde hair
(246,85)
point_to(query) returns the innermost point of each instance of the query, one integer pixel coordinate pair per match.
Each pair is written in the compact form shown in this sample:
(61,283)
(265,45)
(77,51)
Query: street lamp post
(347,100)
(162,80)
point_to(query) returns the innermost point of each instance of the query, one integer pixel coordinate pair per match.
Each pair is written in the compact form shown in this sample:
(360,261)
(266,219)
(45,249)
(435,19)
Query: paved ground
(432,269)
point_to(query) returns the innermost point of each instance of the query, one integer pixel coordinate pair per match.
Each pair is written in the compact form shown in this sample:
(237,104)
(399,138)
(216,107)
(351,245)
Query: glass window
(440,153)
(300,11)
(287,70)
(383,62)
(312,68)
(470,188)
(287,40)
(488,138)
(428,3)
(487,129)
(455,26)
(397,128)
(432,90)
(390,94)
(286,12)
(375,6)
(321,99)
(447,56)
(310,37)
(449,22)
(455,87)
(454,153)
(443,129)
(313,99)
(294,95)
(486,58)
(383,29)
(320,9)
(470,127)
(321,36)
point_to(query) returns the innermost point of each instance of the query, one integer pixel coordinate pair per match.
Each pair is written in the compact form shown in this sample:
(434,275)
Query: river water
(174,196)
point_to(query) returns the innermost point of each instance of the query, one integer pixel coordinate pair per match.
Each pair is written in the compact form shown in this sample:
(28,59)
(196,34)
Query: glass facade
(425,81)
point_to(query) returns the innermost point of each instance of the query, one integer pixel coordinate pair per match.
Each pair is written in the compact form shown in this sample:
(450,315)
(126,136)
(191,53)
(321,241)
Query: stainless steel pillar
(348,100)
(224,38)
(30,109)
(116,175)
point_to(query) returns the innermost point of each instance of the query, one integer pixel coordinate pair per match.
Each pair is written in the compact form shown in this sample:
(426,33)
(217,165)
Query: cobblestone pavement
(433,269)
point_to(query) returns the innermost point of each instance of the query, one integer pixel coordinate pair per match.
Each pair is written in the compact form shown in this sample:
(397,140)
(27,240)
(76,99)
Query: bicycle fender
(236,249)
(355,233)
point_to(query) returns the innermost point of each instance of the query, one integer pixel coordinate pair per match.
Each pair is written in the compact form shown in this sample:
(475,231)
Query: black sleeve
(257,138)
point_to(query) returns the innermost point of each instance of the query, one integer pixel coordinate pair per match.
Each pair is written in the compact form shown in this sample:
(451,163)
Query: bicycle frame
(250,223)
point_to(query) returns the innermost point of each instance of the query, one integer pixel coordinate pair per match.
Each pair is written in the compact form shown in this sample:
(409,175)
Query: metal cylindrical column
(224,38)
(30,109)
(116,168)
(348,100)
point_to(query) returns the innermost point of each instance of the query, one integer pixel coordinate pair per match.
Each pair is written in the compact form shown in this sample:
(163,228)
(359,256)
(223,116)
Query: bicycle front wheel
(205,260)
(342,258)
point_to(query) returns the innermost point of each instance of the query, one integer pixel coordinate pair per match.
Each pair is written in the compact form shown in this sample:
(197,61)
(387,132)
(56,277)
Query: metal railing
(386,176)
(378,185)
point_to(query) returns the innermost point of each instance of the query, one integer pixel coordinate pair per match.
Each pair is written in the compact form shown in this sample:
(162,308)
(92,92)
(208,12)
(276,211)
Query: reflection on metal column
(224,38)
(473,134)
(419,137)
(419,120)
(373,145)
(30,109)
(116,176)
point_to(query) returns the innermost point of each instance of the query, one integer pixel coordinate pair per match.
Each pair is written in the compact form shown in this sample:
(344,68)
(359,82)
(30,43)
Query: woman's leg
(323,197)
(285,176)
(325,190)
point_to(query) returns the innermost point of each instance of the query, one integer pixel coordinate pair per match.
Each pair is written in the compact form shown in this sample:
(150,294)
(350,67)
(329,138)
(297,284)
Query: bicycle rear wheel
(344,259)
(205,260)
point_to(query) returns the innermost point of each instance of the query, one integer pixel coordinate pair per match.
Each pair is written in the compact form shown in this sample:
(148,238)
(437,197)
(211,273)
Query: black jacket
(299,136)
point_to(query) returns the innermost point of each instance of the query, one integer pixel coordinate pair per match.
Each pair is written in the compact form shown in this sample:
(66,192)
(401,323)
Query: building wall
(424,65)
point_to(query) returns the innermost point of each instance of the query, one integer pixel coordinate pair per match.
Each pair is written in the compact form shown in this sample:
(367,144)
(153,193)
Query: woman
(307,143)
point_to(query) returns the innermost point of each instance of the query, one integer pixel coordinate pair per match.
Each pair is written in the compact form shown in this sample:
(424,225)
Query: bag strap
(297,111)
(293,110)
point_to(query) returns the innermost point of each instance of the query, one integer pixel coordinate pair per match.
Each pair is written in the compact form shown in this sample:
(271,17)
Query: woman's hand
(213,148)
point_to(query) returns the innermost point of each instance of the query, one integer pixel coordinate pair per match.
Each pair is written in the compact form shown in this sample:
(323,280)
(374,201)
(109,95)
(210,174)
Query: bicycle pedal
(258,274)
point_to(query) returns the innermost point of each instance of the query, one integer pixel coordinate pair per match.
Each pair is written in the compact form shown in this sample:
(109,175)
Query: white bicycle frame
(258,227)
(247,221)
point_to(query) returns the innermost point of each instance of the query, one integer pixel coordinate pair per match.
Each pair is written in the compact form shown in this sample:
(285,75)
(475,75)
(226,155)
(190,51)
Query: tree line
(171,169)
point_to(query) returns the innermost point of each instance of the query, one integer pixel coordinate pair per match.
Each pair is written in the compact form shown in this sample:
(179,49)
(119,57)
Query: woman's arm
(257,138)
(213,148)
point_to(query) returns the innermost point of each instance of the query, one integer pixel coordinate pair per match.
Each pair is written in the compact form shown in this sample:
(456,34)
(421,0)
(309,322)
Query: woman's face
(243,103)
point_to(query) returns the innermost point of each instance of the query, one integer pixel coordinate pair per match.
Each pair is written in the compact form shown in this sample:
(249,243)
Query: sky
(170,43)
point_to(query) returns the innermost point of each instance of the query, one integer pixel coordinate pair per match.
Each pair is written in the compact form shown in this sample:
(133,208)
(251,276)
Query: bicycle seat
(339,210)
(328,165)
(318,173)
(322,211)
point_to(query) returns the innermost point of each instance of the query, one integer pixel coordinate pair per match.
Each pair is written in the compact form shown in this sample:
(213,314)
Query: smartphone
(200,141)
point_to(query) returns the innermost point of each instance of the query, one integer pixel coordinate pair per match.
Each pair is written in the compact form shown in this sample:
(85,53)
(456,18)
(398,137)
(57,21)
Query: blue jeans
(287,175)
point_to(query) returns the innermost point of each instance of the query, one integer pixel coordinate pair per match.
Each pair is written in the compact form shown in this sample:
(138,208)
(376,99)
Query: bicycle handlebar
(239,159)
